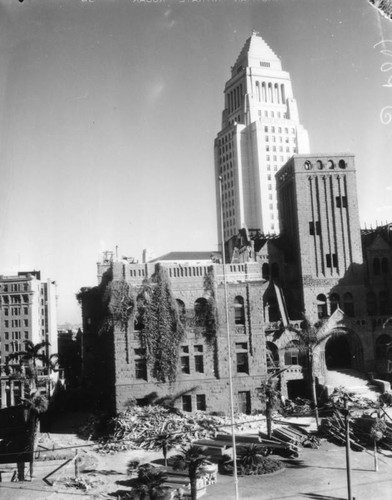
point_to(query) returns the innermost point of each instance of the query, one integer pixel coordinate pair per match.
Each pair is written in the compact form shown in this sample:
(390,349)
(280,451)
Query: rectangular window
(314,228)
(242,362)
(341,202)
(6,323)
(199,364)
(140,369)
(331,260)
(187,402)
(201,402)
(185,364)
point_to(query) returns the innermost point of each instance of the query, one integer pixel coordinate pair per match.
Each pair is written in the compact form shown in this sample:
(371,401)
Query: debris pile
(364,430)
(142,427)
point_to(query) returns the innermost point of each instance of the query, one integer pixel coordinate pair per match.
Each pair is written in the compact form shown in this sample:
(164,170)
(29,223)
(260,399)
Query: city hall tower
(260,132)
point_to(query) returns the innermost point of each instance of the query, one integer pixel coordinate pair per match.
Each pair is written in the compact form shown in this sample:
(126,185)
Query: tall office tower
(260,132)
(27,312)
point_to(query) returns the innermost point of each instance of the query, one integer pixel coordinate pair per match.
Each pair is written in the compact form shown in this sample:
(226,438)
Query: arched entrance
(344,352)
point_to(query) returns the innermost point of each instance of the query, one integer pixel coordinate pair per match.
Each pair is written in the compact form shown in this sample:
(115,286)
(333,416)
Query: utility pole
(348,466)
(235,474)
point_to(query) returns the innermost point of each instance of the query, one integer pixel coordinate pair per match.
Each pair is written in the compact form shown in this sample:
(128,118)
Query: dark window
(187,402)
(199,363)
(201,402)
(331,260)
(272,356)
(376,266)
(322,306)
(341,202)
(185,364)
(292,355)
(385,266)
(200,311)
(384,347)
(265,271)
(244,402)
(242,362)
(140,369)
(239,313)
(334,300)
(348,304)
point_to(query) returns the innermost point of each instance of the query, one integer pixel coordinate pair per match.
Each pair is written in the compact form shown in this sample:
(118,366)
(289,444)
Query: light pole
(228,346)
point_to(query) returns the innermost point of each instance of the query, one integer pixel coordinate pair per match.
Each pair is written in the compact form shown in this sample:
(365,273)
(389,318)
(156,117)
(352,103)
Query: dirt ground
(316,474)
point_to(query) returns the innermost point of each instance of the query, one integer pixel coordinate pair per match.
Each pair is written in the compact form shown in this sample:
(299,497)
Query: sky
(109,110)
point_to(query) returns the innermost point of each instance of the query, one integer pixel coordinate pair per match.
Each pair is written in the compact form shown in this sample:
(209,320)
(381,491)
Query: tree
(270,395)
(191,459)
(149,483)
(35,405)
(29,357)
(162,330)
(165,441)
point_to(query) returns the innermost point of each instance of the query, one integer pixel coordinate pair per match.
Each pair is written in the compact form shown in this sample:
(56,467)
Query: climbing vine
(162,330)
(211,319)
(120,299)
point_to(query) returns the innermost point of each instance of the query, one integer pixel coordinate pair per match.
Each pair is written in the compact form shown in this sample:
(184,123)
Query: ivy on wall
(162,330)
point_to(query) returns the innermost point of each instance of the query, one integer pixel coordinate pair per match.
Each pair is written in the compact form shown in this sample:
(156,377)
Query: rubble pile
(139,427)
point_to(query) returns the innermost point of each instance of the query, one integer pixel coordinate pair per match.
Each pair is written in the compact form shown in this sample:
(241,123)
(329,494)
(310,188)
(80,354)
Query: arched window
(383,303)
(181,310)
(322,306)
(348,304)
(272,356)
(331,164)
(308,165)
(283,94)
(276,93)
(334,300)
(385,265)
(270,97)
(319,164)
(342,164)
(274,270)
(239,311)
(292,354)
(384,347)
(200,311)
(376,266)
(263,92)
(371,303)
(258,91)
(265,271)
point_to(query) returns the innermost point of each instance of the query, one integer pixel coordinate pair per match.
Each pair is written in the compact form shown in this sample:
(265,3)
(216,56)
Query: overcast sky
(109,109)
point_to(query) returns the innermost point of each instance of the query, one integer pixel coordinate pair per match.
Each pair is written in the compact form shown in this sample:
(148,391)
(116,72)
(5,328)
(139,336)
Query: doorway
(338,353)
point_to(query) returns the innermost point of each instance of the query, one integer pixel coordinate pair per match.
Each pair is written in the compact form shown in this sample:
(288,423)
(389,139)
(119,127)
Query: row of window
(347,305)
(320,165)
(380,266)
(15,335)
(272,114)
(270,92)
(14,287)
(234,98)
(15,323)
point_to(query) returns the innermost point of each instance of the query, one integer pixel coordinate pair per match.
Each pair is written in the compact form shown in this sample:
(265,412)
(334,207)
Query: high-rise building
(260,132)
(27,312)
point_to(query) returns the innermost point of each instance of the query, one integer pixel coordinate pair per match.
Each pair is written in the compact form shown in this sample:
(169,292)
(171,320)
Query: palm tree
(250,457)
(165,441)
(149,483)
(29,357)
(35,405)
(191,459)
(270,395)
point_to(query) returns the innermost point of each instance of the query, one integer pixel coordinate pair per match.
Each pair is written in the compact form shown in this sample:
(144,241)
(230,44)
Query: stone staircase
(352,380)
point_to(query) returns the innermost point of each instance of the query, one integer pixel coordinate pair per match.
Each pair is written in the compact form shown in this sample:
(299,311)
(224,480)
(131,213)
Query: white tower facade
(260,132)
